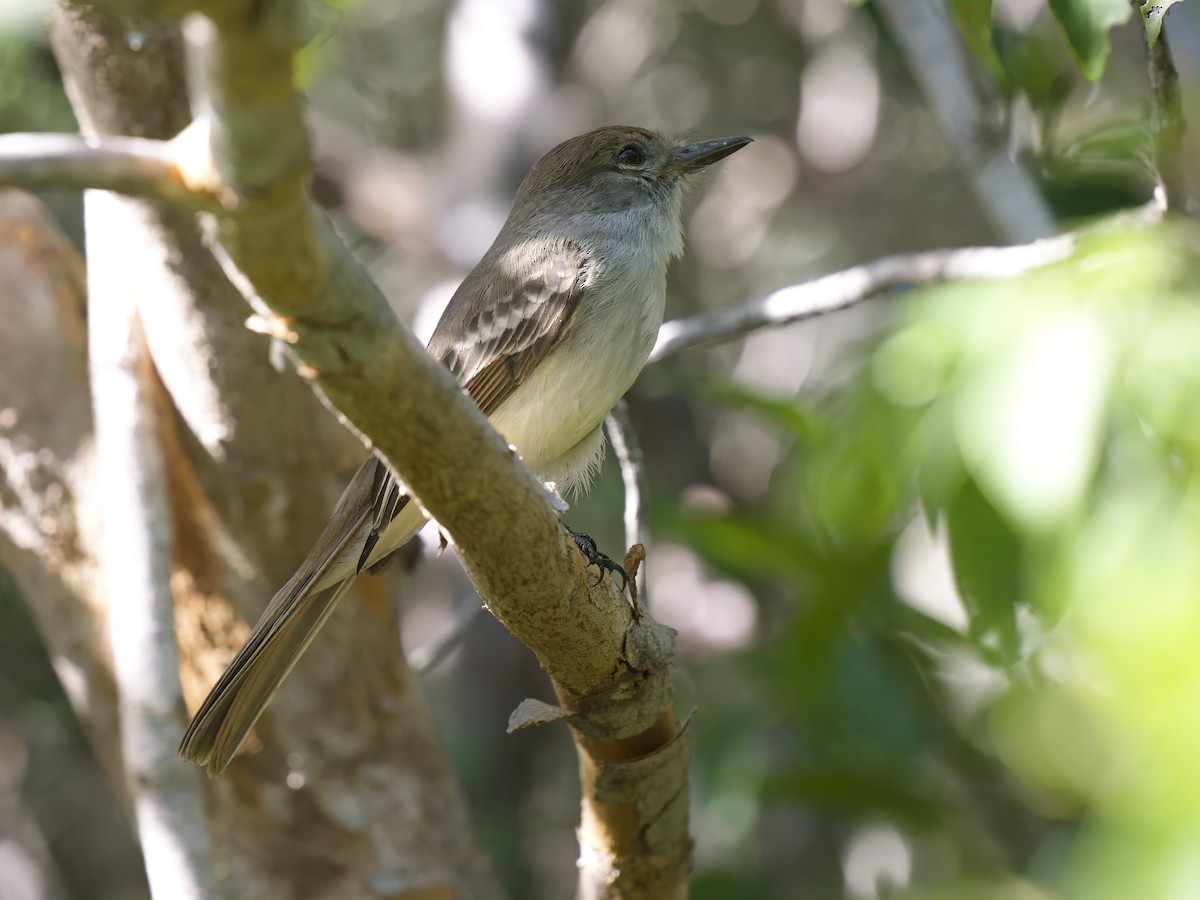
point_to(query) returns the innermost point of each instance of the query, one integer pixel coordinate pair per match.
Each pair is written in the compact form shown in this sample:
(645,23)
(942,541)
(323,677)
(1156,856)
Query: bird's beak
(705,153)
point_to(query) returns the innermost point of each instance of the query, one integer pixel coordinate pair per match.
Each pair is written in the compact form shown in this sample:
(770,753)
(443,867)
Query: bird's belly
(565,399)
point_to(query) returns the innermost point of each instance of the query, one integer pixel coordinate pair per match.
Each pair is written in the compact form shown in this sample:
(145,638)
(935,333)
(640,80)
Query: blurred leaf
(1116,139)
(1152,17)
(1105,168)
(719,884)
(852,790)
(940,470)
(857,482)
(1039,65)
(793,415)
(1086,24)
(313,59)
(749,547)
(1030,418)
(974,18)
(807,653)
(986,555)
(866,704)
(919,631)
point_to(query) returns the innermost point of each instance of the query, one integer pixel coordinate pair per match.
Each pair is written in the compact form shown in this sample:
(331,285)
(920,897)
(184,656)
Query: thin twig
(427,657)
(623,438)
(937,59)
(1167,122)
(137,167)
(840,290)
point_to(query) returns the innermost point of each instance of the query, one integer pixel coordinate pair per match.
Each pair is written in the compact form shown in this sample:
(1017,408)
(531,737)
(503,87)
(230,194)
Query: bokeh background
(934,561)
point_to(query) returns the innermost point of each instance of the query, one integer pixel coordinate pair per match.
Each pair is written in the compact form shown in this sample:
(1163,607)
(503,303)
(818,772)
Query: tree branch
(136,167)
(840,290)
(609,666)
(50,528)
(351,731)
(167,800)
(844,289)
(935,54)
(1167,122)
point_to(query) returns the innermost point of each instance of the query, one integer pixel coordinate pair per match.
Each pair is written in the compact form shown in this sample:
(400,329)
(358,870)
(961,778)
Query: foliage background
(933,560)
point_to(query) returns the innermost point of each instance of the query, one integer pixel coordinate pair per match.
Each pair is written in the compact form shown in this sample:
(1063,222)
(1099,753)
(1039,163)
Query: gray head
(618,169)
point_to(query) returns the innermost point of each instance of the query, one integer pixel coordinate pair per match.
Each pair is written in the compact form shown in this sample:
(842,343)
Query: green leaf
(790,414)
(974,18)
(749,547)
(987,559)
(1086,24)
(1152,16)
(855,791)
(1030,409)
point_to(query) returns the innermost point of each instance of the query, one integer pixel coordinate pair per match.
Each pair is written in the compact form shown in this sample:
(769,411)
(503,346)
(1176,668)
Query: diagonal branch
(891,274)
(609,666)
(245,498)
(840,290)
(1007,193)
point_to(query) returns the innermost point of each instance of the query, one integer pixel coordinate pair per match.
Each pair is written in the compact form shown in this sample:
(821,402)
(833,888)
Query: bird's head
(616,170)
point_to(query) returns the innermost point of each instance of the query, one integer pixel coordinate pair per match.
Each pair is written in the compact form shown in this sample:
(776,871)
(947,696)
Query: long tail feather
(297,612)
(242,693)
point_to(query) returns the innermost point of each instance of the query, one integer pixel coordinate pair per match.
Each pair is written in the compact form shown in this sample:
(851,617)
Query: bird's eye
(631,155)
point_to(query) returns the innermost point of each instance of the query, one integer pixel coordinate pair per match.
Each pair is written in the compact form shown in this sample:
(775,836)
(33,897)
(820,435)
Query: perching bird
(546,333)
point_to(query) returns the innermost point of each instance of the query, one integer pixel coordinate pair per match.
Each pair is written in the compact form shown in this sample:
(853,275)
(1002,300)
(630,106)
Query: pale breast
(600,355)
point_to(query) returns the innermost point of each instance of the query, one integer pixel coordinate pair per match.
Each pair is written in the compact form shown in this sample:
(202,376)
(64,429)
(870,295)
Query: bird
(545,334)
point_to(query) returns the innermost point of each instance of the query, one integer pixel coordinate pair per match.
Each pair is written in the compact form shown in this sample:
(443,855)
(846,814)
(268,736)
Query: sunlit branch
(891,274)
(137,167)
(167,798)
(840,290)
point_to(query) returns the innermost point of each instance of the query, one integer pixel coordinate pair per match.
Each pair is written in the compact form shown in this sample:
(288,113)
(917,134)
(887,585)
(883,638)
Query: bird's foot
(592,554)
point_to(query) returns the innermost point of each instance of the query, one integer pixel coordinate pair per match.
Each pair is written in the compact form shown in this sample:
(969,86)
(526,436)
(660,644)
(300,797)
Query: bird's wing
(525,310)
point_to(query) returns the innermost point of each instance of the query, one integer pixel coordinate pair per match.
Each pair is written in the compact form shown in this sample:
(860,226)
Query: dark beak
(705,153)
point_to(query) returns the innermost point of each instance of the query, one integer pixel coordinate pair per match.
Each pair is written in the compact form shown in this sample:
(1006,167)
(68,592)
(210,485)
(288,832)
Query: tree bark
(351,794)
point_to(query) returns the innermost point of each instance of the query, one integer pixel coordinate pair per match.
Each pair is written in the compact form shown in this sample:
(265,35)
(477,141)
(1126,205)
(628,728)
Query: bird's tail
(291,620)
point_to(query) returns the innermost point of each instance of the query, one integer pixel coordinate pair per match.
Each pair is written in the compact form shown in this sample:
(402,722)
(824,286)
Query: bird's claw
(592,554)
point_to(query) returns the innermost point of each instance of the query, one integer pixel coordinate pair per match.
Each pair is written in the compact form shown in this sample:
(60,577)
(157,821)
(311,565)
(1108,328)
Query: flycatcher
(546,333)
